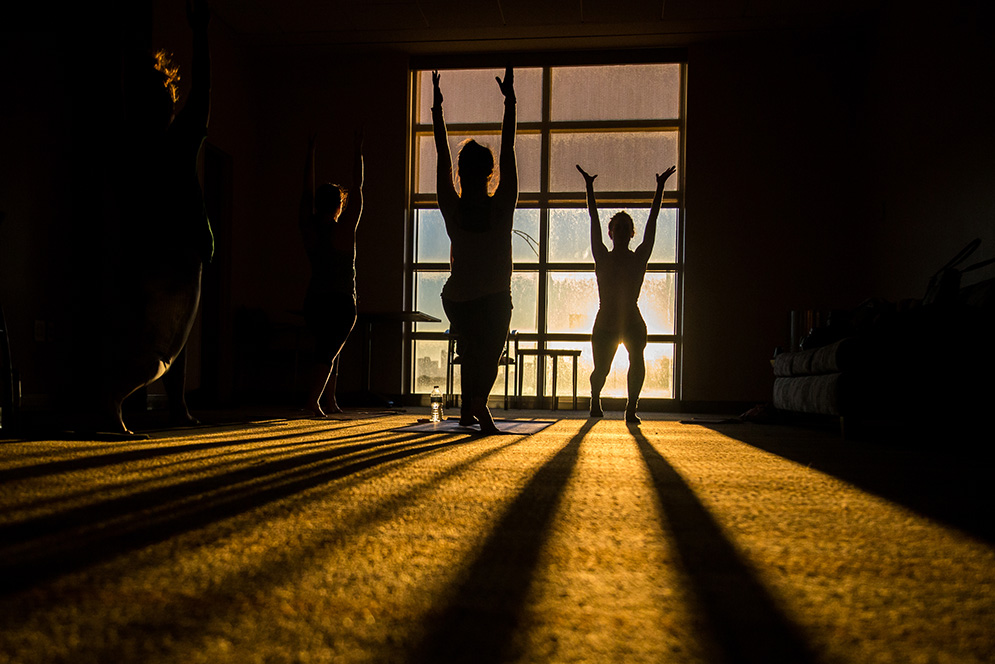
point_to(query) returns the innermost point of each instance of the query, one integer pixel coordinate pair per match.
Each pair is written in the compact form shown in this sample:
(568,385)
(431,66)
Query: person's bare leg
(466,418)
(319,378)
(331,405)
(466,412)
(603,349)
(107,416)
(597,382)
(635,379)
(478,407)
(175,383)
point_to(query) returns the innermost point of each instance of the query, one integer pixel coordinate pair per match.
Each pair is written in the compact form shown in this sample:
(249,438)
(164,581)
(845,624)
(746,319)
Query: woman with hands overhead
(329,217)
(161,240)
(477,296)
(620,272)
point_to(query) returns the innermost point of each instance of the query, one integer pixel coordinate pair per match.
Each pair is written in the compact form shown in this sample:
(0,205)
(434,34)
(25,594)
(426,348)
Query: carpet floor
(300,540)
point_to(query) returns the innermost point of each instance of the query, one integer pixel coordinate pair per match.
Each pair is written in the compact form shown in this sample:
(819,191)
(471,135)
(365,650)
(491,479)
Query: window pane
(570,236)
(659,383)
(526,151)
(573,302)
(524,298)
(525,241)
(665,246)
(624,161)
(428,299)
(431,240)
(656,302)
(524,291)
(430,370)
(570,233)
(472,95)
(429,365)
(620,92)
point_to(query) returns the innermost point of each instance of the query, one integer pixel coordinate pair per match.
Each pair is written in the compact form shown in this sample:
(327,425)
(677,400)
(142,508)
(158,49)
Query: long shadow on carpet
(220,602)
(75,537)
(942,476)
(745,623)
(485,608)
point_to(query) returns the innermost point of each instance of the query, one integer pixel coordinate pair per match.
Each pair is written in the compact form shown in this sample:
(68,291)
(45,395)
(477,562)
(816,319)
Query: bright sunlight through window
(623,122)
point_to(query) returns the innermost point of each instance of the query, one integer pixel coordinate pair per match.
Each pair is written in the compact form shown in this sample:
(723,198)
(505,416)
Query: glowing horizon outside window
(624,123)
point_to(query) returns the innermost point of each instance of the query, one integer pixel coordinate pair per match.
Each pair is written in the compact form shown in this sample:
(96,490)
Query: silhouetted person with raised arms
(329,217)
(620,274)
(477,296)
(164,237)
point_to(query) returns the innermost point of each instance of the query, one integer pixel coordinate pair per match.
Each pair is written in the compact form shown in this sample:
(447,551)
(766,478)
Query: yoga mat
(515,427)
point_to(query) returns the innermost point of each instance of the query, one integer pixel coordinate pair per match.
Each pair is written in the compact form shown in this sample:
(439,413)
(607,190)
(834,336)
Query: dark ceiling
(422,23)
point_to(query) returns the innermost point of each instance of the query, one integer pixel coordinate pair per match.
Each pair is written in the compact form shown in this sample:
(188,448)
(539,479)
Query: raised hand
(508,84)
(588,178)
(661,178)
(436,90)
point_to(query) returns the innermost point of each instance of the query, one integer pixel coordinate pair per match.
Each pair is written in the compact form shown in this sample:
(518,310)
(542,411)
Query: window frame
(544,200)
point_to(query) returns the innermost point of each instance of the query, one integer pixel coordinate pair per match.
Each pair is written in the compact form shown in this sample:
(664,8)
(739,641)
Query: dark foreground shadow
(484,609)
(76,537)
(146,451)
(222,601)
(744,622)
(942,474)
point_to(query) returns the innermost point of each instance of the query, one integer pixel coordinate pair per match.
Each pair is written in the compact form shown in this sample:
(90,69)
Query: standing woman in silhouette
(162,240)
(477,296)
(329,217)
(620,274)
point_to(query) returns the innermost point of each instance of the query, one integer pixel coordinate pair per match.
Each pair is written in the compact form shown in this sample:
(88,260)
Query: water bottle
(436,404)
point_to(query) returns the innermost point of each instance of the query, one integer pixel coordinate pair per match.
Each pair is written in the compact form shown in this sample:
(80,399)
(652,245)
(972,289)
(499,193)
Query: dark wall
(775,201)
(38,169)
(932,143)
(333,95)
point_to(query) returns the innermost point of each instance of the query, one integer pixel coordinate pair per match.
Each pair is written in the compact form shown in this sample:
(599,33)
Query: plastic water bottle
(436,404)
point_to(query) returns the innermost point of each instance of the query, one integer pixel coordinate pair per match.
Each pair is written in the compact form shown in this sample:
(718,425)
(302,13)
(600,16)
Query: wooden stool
(556,354)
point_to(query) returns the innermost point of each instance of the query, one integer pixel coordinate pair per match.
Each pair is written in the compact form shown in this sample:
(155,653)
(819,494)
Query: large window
(623,122)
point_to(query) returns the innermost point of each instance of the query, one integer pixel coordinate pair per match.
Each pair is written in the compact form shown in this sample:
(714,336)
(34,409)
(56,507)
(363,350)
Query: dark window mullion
(544,160)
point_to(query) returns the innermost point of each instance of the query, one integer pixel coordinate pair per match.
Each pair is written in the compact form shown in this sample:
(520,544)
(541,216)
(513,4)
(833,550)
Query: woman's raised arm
(444,161)
(598,248)
(645,248)
(354,203)
(508,179)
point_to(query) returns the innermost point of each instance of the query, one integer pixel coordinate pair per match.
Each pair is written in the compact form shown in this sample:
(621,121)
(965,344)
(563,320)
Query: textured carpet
(347,541)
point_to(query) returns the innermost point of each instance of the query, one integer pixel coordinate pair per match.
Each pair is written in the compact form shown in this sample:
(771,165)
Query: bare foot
(596,408)
(314,408)
(182,418)
(479,410)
